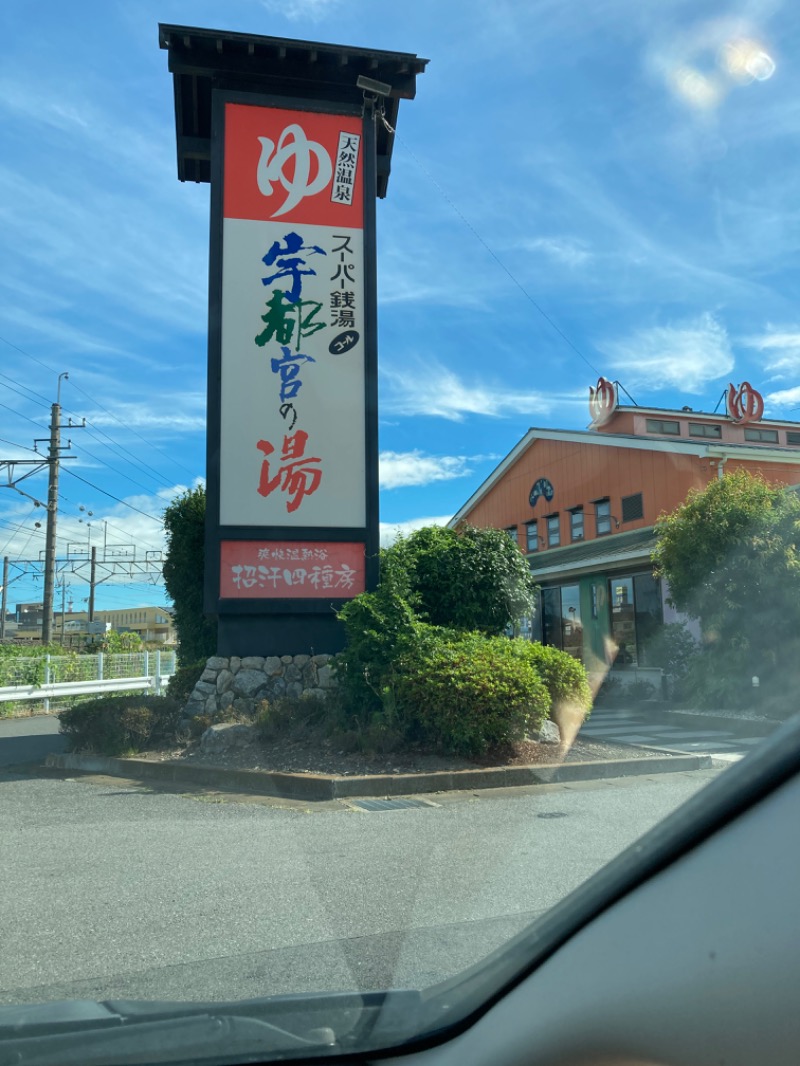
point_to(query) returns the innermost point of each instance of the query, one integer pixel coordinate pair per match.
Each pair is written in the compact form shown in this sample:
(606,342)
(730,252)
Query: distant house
(152,624)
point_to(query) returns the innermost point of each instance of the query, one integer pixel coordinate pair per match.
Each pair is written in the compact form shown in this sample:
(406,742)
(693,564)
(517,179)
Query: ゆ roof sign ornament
(602,401)
(744,404)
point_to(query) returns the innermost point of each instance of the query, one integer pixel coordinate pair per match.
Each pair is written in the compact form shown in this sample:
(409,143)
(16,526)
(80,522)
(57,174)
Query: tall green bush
(184,524)
(377,627)
(467,578)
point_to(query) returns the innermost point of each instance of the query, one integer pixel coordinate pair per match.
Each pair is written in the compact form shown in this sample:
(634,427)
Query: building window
(792,437)
(553,531)
(661,425)
(576,523)
(632,507)
(512,532)
(602,515)
(764,436)
(705,429)
(636,616)
(561,619)
(532,536)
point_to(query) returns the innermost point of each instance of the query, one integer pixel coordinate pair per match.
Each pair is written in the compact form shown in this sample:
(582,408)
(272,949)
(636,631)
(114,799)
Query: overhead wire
(125,425)
(19,414)
(554,325)
(111,414)
(37,396)
(110,495)
(16,530)
(22,446)
(113,469)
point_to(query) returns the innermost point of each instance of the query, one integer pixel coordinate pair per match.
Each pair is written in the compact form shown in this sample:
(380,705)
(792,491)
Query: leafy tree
(731,556)
(117,643)
(184,522)
(469,578)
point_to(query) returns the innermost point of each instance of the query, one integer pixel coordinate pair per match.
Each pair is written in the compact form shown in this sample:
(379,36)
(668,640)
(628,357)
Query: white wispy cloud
(781,349)
(687,355)
(446,395)
(302,10)
(390,531)
(178,413)
(566,250)
(401,469)
(784,398)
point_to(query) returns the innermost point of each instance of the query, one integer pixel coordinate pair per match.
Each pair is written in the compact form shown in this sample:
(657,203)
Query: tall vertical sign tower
(296,140)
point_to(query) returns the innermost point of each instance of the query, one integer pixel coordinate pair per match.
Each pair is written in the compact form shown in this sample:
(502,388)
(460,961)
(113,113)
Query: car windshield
(400,511)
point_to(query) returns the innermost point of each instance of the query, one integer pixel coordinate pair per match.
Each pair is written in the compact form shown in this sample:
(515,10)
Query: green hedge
(121,725)
(563,675)
(466,693)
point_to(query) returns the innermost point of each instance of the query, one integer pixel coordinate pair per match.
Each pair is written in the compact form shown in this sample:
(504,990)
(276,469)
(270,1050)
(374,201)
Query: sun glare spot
(745,60)
(696,88)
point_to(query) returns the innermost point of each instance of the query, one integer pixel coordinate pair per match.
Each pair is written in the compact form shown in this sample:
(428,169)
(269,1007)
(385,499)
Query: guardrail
(153,673)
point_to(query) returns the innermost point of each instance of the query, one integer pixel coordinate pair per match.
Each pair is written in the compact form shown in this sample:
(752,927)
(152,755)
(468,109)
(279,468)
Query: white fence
(53,676)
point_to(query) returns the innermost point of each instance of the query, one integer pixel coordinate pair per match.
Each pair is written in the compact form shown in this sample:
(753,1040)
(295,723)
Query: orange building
(582,505)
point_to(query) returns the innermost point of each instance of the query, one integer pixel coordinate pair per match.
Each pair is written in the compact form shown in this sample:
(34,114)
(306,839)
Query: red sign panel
(293,166)
(298,569)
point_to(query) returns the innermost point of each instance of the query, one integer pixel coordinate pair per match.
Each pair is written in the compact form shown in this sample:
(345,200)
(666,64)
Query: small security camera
(380,88)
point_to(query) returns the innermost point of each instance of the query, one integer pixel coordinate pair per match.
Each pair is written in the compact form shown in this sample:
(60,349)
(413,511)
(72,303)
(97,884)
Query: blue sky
(577,189)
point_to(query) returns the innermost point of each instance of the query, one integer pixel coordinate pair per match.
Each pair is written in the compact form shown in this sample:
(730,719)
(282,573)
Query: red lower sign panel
(275,569)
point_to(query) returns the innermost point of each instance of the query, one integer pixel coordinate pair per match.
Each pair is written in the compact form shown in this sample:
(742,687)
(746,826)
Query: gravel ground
(322,757)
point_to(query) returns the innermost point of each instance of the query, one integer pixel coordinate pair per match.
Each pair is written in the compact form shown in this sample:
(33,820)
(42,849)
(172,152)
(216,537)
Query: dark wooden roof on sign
(200,60)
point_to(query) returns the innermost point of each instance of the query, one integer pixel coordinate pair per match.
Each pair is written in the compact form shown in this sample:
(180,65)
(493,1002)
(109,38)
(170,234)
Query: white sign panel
(292,449)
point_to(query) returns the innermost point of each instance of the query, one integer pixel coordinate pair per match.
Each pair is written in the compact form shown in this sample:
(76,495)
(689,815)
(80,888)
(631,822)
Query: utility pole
(52,517)
(92,583)
(54,457)
(63,605)
(4,599)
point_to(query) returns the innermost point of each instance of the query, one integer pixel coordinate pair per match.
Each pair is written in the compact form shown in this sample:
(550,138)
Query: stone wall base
(238,684)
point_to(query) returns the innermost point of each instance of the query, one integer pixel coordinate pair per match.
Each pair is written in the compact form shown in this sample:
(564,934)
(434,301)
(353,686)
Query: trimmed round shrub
(563,675)
(121,725)
(466,693)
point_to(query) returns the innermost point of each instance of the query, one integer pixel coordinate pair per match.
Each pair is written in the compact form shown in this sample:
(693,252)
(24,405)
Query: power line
(17,530)
(118,448)
(113,469)
(28,355)
(124,425)
(15,445)
(111,414)
(111,496)
(41,400)
(19,414)
(491,252)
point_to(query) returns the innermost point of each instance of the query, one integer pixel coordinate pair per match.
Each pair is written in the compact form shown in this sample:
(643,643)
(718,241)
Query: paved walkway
(670,732)
(24,740)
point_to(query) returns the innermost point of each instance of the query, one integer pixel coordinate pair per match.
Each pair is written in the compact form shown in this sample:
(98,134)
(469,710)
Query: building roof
(608,552)
(701,448)
(202,59)
(688,412)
